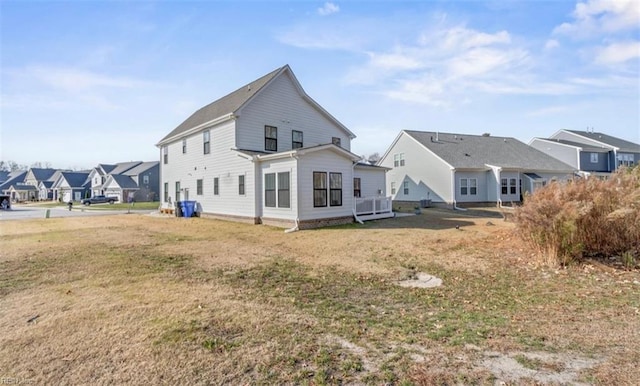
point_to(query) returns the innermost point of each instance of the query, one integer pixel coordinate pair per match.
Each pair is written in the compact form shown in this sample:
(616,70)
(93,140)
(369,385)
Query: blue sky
(88,82)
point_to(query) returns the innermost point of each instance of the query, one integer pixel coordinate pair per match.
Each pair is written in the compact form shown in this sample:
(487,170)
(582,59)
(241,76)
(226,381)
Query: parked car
(99,200)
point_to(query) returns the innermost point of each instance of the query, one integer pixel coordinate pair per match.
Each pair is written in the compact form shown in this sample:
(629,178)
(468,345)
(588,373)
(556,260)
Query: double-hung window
(464,186)
(270,190)
(284,198)
(473,186)
(199,187)
(166,192)
(512,186)
(504,186)
(216,186)
(405,188)
(393,187)
(270,138)
(335,187)
(296,139)
(241,184)
(206,142)
(357,192)
(177,191)
(398,160)
(319,189)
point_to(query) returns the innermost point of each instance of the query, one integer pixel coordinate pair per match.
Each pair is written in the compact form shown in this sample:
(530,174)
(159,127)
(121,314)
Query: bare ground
(131,299)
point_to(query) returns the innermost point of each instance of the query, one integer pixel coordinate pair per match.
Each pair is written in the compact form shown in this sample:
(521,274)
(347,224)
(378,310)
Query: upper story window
(594,158)
(398,159)
(296,139)
(145,179)
(206,141)
(184,146)
(165,154)
(270,138)
(336,141)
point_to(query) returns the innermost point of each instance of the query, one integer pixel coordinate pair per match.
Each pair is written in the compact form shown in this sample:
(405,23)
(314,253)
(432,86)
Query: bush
(584,217)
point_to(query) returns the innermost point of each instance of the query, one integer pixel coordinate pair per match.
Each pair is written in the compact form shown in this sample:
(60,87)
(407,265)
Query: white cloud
(328,8)
(618,52)
(551,44)
(75,80)
(594,17)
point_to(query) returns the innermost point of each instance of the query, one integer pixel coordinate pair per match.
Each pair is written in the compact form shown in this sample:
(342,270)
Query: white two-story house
(268,153)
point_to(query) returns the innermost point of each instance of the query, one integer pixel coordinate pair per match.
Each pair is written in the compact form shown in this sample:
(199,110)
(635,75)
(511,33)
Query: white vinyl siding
(428,176)
(221,163)
(282,106)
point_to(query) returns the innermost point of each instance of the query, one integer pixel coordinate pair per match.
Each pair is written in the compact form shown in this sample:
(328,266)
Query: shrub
(584,217)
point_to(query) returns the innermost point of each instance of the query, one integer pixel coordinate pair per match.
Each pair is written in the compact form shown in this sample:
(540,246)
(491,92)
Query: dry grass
(138,299)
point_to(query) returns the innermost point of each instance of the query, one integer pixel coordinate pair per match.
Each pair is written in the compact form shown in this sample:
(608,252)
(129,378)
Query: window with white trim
(177,195)
(166,192)
(335,189)
(216,186)
(206,142)
(296,139)
(270,190)
(145,179)
(270,138)
(393,187)
(398,159)
(241,184)
(184,146)
(199,187)
(512,186)
(594,158)
(504,184)
(165,154)
(357,192)
(464,188)
(284,197)
(405,188)
(473,186)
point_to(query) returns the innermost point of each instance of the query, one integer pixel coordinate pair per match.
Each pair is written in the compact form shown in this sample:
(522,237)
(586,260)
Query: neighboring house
(21,192)
(461,169)
(45,190)
(34,177)
(4,176)
(135,180)
(14,179)
(71,186)
(267,153)
(591,153)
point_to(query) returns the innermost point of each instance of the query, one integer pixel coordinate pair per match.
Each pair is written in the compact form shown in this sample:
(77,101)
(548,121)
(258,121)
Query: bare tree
(374,158)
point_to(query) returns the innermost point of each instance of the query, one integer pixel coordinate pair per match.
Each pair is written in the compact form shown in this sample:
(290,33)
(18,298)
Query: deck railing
(373,205)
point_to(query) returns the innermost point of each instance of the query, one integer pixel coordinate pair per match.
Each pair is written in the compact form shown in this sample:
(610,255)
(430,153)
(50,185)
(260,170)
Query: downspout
(297,224)
(353,207)
(453,191)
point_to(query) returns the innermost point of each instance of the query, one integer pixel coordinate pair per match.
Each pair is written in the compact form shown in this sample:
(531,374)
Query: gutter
(453,191)
(297,226)
(353,207)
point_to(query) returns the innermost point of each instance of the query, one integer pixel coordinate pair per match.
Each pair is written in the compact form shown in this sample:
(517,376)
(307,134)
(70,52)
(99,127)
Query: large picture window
(296,139)
(270,138)
(206,141)
(270,190)
(335,188)
(284,198)
(319,189)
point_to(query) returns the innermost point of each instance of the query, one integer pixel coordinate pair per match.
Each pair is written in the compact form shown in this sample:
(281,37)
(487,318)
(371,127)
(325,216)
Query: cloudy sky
(94,82)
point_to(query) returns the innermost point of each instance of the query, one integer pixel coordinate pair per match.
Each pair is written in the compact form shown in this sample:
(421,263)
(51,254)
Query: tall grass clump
(566,222)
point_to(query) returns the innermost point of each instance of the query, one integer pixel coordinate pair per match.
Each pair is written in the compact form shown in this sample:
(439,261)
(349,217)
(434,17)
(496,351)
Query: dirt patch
(421,280)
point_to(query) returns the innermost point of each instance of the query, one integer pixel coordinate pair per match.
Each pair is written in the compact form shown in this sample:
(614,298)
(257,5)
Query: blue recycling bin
(188,207)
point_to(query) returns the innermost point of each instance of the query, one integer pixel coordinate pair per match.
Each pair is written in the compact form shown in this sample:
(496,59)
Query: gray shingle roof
(14,178)
(464,151)
(42,174)
(24,187)
(124,182)
(577,144)
(141,168)
(122,167)
(225,105)
(609,140)
(75,179)
(3,176)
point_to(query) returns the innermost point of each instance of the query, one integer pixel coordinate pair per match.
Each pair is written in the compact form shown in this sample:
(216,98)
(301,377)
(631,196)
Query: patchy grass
(162,299)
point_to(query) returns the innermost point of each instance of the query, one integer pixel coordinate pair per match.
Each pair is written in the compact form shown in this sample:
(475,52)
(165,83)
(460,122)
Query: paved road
(26,212)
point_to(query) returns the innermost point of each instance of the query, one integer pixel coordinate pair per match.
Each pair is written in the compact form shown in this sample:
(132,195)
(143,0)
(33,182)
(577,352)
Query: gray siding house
(459,169)
(590,152)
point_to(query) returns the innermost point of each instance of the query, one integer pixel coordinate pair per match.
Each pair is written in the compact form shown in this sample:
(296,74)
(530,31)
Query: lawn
(117,206)
(151,299)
